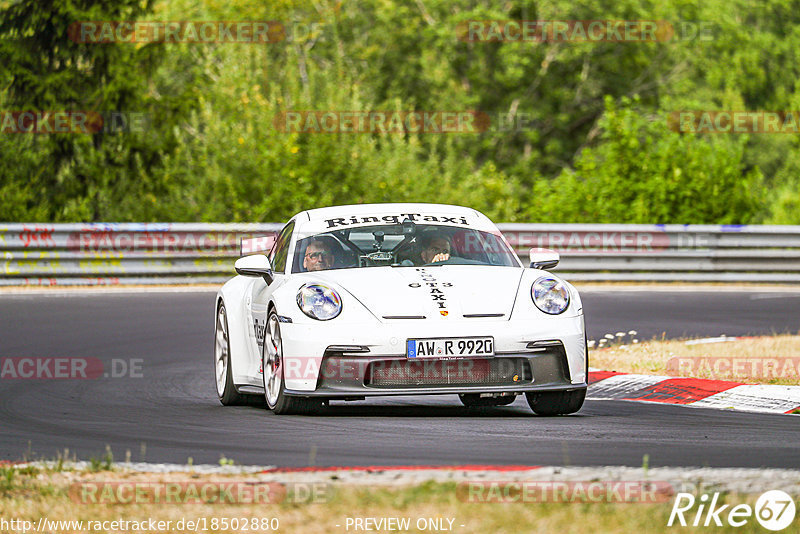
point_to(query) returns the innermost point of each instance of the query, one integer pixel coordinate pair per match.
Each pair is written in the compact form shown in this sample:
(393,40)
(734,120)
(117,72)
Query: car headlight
(319,302)
(550,295)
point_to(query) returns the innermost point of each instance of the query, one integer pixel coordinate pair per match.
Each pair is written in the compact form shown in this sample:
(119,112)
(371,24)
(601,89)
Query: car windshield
(400,245)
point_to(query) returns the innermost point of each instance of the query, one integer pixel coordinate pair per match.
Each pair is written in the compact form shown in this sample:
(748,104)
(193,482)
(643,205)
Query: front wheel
(556,402)
(272,366)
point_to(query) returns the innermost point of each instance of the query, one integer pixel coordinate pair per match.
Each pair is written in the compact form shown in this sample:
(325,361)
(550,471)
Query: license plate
(450,347)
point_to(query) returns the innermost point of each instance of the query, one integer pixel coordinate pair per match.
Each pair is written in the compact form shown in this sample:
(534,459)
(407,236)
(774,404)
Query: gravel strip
(688,479)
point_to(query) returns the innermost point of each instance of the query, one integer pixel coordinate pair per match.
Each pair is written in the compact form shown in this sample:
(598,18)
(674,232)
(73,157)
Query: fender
(233,294)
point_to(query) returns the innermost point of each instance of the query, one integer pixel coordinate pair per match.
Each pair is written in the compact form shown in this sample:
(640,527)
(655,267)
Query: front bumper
(544,356)
(345,376)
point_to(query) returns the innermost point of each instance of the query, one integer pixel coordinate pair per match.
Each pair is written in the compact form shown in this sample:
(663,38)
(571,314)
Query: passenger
(435,247)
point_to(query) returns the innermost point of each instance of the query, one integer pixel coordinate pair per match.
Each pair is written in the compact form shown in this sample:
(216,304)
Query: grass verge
(30,494)
(758,360)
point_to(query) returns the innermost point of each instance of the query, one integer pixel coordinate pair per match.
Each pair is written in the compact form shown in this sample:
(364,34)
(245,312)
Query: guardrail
(666,252)
(124,253)
(184,253)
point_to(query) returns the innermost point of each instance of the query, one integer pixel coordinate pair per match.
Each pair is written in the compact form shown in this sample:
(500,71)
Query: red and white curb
(609,385)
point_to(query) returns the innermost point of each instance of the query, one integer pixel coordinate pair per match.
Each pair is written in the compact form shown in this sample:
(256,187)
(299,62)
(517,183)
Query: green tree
(641,172)
(82,176)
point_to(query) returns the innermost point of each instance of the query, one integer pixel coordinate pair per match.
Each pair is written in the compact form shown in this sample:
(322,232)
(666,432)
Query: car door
(259,295)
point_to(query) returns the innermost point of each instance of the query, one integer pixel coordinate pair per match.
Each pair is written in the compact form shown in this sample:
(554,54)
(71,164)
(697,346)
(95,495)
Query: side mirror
(544,258)
(255,265)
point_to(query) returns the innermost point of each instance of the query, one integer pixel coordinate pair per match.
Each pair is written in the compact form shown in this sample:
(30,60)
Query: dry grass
(759,360)
(29,496)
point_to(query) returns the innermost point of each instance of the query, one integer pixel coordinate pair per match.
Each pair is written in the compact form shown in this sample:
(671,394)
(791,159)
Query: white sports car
(397,299)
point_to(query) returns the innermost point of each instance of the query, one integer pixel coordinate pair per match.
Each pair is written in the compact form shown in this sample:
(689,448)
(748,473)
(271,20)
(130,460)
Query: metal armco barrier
(126,253)
(183,253)
(666,252)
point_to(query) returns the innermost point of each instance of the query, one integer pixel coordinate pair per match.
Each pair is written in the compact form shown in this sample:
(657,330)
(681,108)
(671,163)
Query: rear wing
(255,245)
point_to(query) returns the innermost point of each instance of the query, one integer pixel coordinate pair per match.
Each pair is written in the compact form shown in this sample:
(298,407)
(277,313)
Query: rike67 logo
(774,510)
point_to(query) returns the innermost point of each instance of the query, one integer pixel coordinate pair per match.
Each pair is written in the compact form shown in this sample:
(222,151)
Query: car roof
(362,209)
(323,219)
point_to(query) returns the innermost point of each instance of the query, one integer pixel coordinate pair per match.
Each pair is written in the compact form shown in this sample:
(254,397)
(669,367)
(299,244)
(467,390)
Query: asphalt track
(171,413)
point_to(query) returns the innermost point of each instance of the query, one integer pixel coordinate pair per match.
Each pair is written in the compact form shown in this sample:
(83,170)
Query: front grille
(432,373)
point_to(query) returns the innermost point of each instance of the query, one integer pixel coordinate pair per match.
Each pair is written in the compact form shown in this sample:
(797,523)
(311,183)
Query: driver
(435,247)
(318,256)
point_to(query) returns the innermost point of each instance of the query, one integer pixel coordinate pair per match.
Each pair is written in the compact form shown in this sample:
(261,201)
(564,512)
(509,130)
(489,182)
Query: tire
(556,402)
(226,390)
(474,400)
(272,367)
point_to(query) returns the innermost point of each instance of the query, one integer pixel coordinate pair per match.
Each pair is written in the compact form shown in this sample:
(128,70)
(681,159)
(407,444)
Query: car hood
(444,292)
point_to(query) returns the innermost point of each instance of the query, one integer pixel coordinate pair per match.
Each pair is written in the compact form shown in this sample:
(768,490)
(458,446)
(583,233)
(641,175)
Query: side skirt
(250,390)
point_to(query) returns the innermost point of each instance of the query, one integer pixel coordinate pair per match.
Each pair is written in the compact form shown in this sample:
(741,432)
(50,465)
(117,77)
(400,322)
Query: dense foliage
(578,130)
